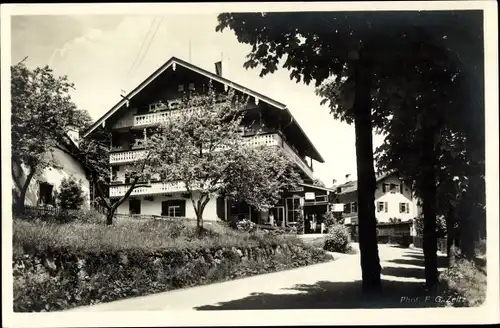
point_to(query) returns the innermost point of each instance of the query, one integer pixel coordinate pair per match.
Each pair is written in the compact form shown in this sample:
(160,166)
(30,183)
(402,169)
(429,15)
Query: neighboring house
(45,184)
(394,199)
(266,122)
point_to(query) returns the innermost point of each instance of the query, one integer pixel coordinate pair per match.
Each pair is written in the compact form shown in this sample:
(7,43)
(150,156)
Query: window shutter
(182,205)
(386,207)
(220,207)
(407,207)
(164,208)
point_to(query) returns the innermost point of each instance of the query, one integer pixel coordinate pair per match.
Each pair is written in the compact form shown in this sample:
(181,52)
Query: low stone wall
(57,279)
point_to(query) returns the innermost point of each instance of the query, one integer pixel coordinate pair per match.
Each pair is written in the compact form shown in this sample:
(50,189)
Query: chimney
(218,68)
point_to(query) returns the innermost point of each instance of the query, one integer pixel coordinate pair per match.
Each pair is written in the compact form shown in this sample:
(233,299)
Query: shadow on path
(419,261)
(396,293)
(333,295)
(404,272)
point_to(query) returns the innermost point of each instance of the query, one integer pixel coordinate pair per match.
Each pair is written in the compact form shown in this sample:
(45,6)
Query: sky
(98,53)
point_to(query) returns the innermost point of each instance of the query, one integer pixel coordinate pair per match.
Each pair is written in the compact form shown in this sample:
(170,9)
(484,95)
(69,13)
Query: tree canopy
(42,114)
(203,147)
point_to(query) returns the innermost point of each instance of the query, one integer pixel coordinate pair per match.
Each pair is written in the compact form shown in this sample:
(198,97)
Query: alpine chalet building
(266,122)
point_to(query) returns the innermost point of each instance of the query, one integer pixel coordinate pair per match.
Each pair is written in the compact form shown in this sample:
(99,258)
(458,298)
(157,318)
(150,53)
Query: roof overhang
(316,187)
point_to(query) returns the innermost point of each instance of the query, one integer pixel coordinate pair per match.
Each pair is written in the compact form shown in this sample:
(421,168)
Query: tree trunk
(109,217)
(370,262)
(450,231)
(199,209)
(112,209)
(23,190)
(467,235)
(429,207)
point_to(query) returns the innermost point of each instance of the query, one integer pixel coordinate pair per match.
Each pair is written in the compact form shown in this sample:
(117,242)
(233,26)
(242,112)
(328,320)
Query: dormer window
(394,188)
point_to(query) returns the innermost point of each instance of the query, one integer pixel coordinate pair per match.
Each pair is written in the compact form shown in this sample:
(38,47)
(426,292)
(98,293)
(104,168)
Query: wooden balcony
(126,156)
(161,112)
(270,139)
(148,189)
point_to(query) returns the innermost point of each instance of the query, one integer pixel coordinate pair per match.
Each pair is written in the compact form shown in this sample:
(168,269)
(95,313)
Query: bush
(466,280)
(337,239)
(481,248)
(57,267)
(71,196)
(246,225)
(329,219)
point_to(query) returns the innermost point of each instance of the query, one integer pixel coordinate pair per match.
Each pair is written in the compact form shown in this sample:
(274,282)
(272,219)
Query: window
(404,208)
(382,207)
(180,87)
(394,187)
(354,207)
(174,211)
(134,206)
(239,209)
(46,190)
(347,208)
(173,208)
(278,214)
(385,186)
(293,208)
(191,86)
(114,172)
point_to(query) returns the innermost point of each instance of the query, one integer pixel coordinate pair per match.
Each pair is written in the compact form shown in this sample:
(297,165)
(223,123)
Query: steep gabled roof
(352,186)
(215,77)
(177,61)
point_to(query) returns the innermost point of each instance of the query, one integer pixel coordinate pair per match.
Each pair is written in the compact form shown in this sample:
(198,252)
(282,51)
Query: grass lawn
(59,266)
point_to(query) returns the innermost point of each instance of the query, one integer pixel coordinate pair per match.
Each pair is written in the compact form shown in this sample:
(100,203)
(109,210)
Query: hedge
(59,270)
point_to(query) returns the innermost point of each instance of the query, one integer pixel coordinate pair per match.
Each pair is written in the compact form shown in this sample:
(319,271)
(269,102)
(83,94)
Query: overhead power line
(149,45)
(140,50)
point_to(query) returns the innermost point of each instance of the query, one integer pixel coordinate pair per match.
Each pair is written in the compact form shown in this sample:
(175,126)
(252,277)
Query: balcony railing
(153,188)
(162,112)
(271,139)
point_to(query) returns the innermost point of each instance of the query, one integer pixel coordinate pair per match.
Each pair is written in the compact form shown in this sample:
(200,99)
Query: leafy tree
(42,112)
(259,176)
(205,150)
(138,171)
(433,139)
(71,195)
(93,153)
(318,182)
(368,58)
